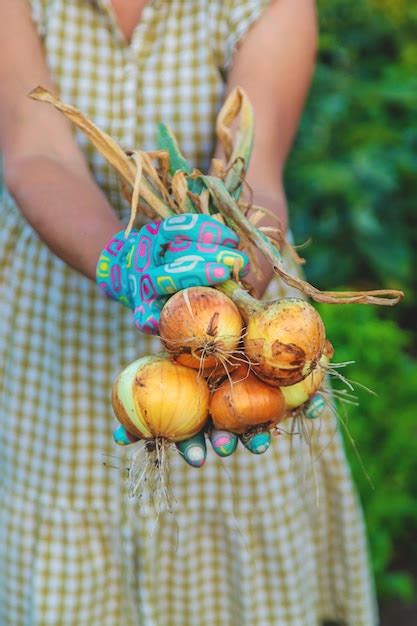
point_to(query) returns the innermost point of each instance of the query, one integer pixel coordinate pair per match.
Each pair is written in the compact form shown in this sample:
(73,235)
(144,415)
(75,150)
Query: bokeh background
(352,187)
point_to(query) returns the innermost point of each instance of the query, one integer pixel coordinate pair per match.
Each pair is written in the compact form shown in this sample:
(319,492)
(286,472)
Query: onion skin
(156,397)
(197,319)
(247,403)
(189,360)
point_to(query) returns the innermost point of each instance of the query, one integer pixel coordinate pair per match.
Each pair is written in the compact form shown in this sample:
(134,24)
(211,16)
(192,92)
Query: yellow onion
(200,327)
(156,397)
(284,339)
(246,402)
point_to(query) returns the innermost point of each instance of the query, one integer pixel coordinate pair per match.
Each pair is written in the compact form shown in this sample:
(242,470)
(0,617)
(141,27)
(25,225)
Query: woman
(253,547)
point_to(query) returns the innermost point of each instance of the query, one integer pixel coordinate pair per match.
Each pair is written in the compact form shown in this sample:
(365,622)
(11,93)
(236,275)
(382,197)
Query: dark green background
(352,187)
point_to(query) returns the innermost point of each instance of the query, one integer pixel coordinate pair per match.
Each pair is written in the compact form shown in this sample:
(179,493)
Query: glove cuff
(112,268)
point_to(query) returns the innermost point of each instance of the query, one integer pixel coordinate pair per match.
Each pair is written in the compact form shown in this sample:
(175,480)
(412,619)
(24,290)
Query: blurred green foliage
(352,187)
(384,429)
(351,179)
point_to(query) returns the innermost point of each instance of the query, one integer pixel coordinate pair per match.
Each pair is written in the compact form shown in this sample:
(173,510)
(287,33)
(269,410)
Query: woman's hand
(185,250)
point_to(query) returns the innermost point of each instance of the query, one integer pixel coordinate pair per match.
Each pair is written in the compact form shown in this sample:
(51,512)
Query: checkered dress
(248,544)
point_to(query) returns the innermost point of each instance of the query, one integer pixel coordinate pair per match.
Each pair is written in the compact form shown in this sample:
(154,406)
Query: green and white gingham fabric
(248,544)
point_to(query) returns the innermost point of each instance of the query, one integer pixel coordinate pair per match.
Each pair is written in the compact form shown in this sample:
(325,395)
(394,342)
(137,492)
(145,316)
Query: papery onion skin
(197,319)
(246,403)
(156,397)
(189,360)
(284,341)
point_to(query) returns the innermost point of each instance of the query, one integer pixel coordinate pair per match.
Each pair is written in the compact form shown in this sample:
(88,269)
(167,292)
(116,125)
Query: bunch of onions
(244,403)
(201,327)
(159,399)
(161,402)
(284,339)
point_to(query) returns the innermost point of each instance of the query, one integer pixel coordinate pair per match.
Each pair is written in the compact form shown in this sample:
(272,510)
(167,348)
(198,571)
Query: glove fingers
(224,442)
(219,254)
(257,443)
(193,450)
(165,280)
(208,232)
(176,234)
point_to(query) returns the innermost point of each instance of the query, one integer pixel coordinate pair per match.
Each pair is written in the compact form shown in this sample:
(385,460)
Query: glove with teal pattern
(142,270)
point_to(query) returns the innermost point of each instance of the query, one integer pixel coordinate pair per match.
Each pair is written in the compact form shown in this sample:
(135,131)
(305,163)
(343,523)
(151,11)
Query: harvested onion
(161,402)
(284,339)
(155,397)
(200,327)
(245,402)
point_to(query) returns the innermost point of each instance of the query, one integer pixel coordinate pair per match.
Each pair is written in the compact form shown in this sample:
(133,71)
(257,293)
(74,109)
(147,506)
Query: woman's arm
(43,166)
(274,64)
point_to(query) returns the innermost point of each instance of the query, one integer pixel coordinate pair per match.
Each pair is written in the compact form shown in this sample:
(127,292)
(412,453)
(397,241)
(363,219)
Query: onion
(160,402)
(284,339)
(155,397)
(245,402)
(200,327)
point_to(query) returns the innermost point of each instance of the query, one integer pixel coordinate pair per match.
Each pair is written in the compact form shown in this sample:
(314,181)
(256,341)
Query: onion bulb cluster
(244,364)
(239,366)
(261,360)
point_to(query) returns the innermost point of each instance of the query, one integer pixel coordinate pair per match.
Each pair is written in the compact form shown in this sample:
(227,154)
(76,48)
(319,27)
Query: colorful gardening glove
(186,250)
